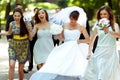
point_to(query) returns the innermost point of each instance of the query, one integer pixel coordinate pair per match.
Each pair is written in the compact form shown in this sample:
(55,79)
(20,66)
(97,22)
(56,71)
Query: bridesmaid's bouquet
(55,29)
(104,22)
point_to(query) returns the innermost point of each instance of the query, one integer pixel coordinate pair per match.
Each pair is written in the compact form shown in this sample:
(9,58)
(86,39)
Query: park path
(4,64)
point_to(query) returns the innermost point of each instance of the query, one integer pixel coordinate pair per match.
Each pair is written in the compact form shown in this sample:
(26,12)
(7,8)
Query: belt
(20,37)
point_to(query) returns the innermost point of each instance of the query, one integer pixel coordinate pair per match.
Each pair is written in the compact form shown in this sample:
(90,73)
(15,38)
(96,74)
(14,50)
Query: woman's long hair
(37,20)
(23,29)
(111,15)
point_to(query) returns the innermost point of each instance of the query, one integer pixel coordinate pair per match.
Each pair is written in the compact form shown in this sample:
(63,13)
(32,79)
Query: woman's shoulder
(65,25)
(12,22)
(116,24)
(80,27)
(36,26)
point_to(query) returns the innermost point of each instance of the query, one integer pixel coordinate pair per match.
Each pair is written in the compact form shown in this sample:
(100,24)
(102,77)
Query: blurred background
(90,7)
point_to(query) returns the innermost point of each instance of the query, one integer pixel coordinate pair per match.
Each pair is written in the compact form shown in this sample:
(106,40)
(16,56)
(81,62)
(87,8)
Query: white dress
(43,46)
(65,62)
(104,63)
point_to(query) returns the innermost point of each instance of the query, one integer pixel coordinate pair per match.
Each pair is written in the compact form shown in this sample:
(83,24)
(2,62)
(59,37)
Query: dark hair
(35,9)
(23,29)
(74,15)
(18,4)
(37,20)
(58,9)
(22,7)
(111,15)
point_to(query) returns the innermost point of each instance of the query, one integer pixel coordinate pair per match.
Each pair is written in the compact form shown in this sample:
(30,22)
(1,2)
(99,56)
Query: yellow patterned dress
(18,47)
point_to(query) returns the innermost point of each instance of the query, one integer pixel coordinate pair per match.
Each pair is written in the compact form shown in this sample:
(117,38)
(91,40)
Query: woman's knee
(12,63)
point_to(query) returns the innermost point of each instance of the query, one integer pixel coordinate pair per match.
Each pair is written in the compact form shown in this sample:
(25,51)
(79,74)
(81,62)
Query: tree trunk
(8,8)
(110,3)
(18,1)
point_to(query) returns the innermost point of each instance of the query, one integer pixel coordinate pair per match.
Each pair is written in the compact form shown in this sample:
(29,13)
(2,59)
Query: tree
(62,3)
(116,8)
(19,1)
(110,3)
(8,9)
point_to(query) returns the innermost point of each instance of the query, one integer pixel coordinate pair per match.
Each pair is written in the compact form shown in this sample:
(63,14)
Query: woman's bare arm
(29,28)
(9,32)
(115,33)
(94,35)
(33,32)
(60,36)
(85,33)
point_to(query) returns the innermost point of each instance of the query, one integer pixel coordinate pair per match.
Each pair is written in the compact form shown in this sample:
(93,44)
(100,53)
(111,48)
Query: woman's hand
(59,37)
(56,37)
(9,40)
(78,41)
(105,29)
(88,56)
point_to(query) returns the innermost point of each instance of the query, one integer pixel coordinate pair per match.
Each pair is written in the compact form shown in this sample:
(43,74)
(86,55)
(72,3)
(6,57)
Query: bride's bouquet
(56,29)
(104,22)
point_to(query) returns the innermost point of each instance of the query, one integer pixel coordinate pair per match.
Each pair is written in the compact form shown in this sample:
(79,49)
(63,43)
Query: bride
(67,61)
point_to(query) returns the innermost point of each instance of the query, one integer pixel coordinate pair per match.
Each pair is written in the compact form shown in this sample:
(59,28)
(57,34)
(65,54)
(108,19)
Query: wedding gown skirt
(104,65)
(65,62)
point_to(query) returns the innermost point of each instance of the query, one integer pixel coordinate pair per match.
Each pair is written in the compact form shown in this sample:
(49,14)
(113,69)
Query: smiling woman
(104,63)
(44,43)
(18,47)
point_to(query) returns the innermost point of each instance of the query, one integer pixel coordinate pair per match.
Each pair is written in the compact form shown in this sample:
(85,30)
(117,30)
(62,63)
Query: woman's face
(41,15)
(104,14)
(17,16)
(73,21)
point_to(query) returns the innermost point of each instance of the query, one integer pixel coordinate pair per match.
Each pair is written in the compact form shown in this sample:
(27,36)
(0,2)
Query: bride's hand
(88,56)
(56,36)
(78,41)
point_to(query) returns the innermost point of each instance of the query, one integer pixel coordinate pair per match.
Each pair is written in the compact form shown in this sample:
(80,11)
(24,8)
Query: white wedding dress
(65,62)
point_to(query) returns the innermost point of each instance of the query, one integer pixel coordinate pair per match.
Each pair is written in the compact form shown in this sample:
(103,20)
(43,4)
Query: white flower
(55,29)
(104,22)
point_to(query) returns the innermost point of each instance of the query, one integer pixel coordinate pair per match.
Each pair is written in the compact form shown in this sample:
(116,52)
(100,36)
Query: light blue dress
(104,63)
(43,46)
(65,62)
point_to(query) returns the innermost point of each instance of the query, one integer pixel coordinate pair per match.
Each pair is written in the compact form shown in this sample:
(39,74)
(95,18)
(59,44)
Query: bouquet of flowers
(55,29)
(104,22)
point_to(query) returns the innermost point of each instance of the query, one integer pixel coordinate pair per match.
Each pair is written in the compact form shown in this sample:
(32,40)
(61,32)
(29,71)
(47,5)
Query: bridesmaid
(104,63)
(44,43)
(18,47)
